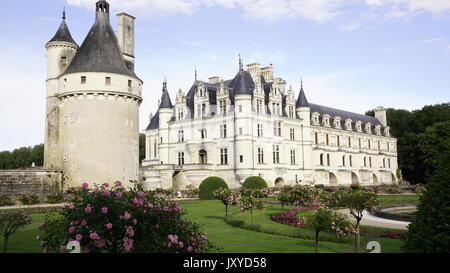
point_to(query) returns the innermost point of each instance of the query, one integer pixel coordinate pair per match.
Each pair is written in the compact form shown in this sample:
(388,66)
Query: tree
(10,222)
(357,201)
(141,147)
(329,220)
(429,231)
(227,197)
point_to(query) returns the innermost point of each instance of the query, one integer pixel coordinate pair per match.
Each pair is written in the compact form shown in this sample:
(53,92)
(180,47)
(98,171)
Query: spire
(195,74)
(302,101)
(165,99)
(241,67)
(63,33)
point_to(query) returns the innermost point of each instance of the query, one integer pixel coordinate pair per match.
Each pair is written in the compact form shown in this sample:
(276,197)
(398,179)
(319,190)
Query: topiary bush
(55,198)
(209,186)
(6,201)
(254,182)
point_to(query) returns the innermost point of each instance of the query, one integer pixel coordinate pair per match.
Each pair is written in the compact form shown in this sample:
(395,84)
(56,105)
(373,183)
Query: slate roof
(63,34)
(343,114)
(301,100)
(154,122)
(165,100)
(242,84)
(100,50)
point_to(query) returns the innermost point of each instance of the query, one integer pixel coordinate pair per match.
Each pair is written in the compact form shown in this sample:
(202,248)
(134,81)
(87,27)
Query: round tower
(100,97)
(60,51)
(303,112)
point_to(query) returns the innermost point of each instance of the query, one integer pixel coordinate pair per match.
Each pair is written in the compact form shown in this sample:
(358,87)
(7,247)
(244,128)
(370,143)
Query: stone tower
(97,96)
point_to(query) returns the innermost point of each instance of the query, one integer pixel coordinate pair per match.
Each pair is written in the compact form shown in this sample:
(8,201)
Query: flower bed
(392,234)
(290,217)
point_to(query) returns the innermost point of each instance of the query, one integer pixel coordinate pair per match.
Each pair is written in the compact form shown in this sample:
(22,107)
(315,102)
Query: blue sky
(352,54)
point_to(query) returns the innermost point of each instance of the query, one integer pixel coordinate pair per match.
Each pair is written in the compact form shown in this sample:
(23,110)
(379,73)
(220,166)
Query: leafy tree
(22,157)
(141,147)
(10,222)
(429,231)
(227,197)
(357,201)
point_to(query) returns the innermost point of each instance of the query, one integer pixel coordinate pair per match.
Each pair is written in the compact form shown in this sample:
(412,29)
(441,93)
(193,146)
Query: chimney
(214,80)
(255,70)
(267,73)
(380,114)
(126,38)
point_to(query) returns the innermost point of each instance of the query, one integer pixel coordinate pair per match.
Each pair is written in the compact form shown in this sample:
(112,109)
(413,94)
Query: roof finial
(195,73)
(164,84)
(241,67)
(64,14)
(301,82)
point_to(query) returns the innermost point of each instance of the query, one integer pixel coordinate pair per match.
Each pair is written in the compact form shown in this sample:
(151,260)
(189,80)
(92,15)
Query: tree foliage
(412,128)
(22,157)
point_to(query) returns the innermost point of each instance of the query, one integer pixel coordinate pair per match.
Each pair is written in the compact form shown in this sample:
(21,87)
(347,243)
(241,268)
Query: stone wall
(15,183)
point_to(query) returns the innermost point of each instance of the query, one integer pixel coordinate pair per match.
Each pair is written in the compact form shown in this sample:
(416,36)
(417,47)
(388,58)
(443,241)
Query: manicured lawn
(24,240)
(393,199)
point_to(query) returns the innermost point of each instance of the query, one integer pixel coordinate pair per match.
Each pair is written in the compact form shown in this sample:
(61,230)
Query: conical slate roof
(63,34)
(242,83)
(301,100)
(100,50)
(165,100)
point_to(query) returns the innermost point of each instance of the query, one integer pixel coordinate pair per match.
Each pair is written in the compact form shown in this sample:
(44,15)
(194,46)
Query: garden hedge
(209,185)
(254,182)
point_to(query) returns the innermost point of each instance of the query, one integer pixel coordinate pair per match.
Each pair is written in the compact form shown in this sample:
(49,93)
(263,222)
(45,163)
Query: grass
(234,239)
(395,199)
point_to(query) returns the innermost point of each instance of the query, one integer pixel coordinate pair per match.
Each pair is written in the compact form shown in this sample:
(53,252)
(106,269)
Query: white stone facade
(268,134)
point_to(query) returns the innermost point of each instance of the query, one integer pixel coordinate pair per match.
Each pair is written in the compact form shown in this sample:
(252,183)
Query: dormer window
(315,118)
(359,126)
(368,128)
(386,131)
(337,122)
(378,129)
(326,120)
(348,124)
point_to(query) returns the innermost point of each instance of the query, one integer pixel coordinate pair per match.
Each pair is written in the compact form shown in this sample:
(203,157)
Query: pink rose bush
(109,219)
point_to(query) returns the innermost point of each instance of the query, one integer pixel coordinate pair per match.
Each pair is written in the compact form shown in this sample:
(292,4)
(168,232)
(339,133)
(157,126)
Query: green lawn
(393,199)
(235,239)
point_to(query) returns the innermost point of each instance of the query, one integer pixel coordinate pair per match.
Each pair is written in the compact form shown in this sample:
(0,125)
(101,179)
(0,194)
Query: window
(359,140)
(379,145)
(384,162)
(181,159)
(387,146)
(292,133)
(328,159)
(180,113)
(350,161)
(327,139)
(365,162)
(161,139)
(223,131)
(203,133)
(108,80)
(349,142)
(83,79)
(203,109)
(181,136)
(292,157)
(276,154)
(240,108)
(291,111)
(240,131)
(203,157)
(260,156)
(259,106)
(370,162)
(241,159)
(368,143)
(389,162)
(343,160)
(338,141)
(130,83)
(277,128)
(316,138)
(224,156)
(63,60)
(321,159)
(154,149)
(223,106)
(260,130)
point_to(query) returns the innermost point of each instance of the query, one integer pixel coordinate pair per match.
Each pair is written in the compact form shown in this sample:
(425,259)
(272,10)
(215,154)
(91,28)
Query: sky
(352,54)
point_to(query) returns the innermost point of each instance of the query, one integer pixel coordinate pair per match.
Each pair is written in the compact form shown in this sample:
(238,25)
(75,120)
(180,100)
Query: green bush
(29,199)
(6,201)
(254,182)
(209,186)
(55,198)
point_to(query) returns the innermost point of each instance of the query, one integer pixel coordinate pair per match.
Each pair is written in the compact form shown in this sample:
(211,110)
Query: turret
(302,107)
(60,51)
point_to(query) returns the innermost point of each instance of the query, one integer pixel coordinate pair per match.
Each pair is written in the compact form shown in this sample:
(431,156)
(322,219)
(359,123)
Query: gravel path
(371,220)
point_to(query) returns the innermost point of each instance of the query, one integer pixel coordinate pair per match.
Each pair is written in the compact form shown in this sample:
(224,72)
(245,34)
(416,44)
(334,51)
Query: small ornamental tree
(10,222)
(329,220)
(357,201)
(209,185)
(247,203)
(227,197)
(112,220)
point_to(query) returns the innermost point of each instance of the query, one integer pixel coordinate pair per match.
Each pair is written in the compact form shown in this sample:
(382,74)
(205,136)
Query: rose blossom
(109,226)
(88,209)
(62,248)
(141,194)
(79,237)
(85,185)
(104,210)
(94,236)
(106,185)
(126,216)
(119,195)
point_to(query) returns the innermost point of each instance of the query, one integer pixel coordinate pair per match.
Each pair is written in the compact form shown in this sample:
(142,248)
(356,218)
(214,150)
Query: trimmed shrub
(29,199)
(6,201)
(254,182)
(209,186)
(55,198)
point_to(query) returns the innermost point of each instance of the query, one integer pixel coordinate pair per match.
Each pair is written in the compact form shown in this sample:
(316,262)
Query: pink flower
(104,210)
(109,226)
(62,249)
(71,206)
(88,209)
(127,244)
(71,229)
(85,185)
(141,194)
(180,244)
(126,216)
(135,201)
(106,193)
(78,237)
(118,184)
(119,195)
(129,232)
(83,222)
(100,243)
(96,190)
(106,185)
(190,248)
(135,221)
(94,236)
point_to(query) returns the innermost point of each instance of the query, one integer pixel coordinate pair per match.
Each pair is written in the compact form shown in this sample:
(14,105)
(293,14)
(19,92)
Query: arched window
(203,156)
(321,159)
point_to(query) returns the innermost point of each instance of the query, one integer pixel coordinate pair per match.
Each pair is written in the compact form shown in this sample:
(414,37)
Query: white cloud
(191,43)
(432,40)
(402,8)
(350,27)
